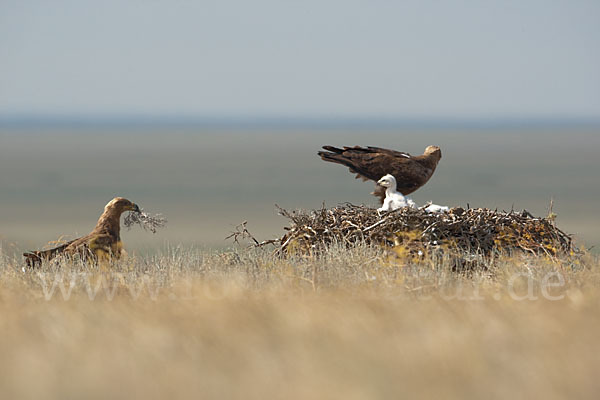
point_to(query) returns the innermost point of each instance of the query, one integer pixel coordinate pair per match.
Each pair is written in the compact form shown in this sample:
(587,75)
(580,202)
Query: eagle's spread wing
(371,163)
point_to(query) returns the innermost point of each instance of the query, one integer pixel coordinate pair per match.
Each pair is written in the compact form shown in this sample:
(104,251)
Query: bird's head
(387,181)
(121,204)
(433,150)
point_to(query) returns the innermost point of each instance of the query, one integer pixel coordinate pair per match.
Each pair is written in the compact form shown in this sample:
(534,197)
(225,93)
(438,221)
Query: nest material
(146,221)
(472,231)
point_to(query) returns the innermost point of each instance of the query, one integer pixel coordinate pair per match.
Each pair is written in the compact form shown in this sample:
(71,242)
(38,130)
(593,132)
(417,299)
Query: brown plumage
(103,243)
(371,163)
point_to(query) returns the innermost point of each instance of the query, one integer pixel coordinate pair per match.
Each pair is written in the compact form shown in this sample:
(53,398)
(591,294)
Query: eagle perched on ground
(103,243)
(372,163)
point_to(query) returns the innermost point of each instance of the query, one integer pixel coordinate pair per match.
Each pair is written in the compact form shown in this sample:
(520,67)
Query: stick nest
(478,231)
(146,221)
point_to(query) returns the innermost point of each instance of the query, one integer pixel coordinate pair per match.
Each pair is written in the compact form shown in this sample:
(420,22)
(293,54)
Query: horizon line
(310,121)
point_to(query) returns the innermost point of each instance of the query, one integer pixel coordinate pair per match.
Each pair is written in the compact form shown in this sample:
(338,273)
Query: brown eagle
(411,172)
(103,243)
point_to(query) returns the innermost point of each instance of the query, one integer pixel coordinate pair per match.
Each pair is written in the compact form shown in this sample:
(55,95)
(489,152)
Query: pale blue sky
(422,58)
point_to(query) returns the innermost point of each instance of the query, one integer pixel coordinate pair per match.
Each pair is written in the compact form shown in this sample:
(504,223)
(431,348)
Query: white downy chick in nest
(435,208)
(393,199)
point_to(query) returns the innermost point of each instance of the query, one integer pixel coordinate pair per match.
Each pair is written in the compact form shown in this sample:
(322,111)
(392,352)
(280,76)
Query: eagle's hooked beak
(135,208)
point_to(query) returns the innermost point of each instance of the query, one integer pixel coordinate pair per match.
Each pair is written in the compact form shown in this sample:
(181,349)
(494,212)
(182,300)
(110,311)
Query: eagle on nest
(102,243)
(372,163)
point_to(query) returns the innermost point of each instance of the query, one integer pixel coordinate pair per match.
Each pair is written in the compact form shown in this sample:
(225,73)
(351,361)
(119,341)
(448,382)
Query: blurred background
(212,112)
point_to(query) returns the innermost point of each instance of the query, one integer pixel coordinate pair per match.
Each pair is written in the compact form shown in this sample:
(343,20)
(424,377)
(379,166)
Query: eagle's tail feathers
(35,258)
(336,158)
(333,149)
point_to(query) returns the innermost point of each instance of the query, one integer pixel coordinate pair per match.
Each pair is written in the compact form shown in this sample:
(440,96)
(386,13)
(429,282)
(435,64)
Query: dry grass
(352,324)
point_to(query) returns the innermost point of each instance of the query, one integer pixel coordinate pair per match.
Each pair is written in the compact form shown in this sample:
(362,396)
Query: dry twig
(146,221)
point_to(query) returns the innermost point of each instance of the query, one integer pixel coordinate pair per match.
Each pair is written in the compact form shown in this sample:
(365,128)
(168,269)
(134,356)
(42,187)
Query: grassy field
(204,320)
(353,324)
